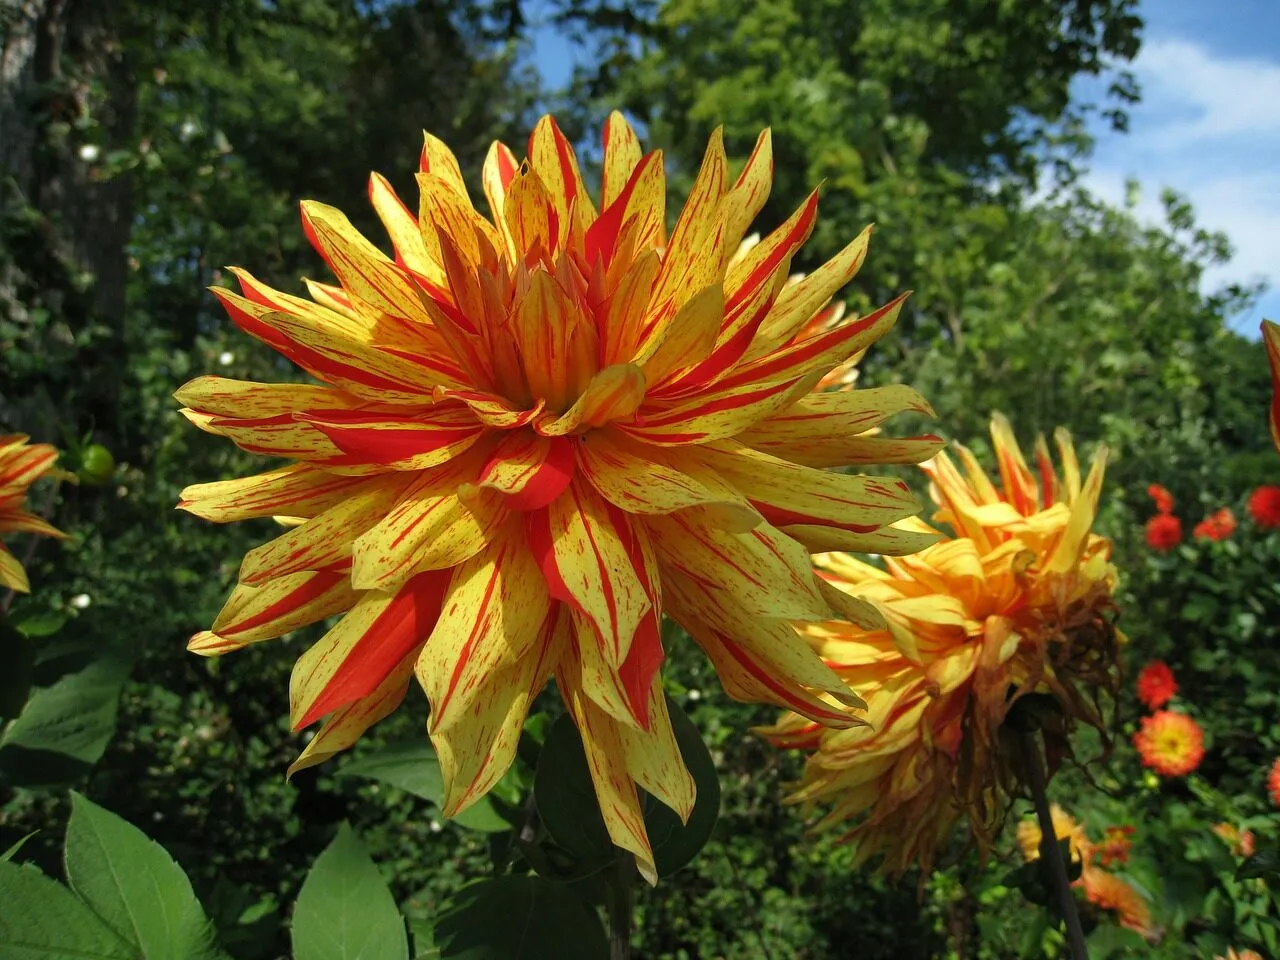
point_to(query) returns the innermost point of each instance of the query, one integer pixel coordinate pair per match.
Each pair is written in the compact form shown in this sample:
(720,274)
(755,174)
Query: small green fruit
(98,466)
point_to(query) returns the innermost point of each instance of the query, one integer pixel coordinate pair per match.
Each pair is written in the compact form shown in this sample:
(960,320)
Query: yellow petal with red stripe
(476,751)
(606,754)
(326,539)
(493,616)
(718,414)
(11,573)
(348,724)
(622,153)
(354,658)
(248,400)
(751,190)
(402,228)
(276,607)
(614,394)
(298,490)
(654,758)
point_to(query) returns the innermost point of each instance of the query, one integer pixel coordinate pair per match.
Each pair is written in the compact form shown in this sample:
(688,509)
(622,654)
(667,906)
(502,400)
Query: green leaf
(413,767)
(519,918)
(569,809)
(132,883)
(64,729)
(344,910)
(37,625)
(17,660)
(16,846)
(43,920)
(1264,864)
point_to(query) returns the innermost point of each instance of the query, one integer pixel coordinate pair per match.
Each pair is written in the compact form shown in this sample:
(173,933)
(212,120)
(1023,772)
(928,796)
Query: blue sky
(1208,126)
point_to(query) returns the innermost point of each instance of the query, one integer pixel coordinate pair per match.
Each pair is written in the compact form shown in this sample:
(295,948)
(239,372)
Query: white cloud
(1209,127)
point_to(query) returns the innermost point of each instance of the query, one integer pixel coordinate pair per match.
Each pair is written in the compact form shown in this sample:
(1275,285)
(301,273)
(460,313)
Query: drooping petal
(297,490)
(276,607)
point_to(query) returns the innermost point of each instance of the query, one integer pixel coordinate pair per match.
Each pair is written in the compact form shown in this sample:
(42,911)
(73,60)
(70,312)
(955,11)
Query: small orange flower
(1264,506)
(1219,525)
(1106,891)
(1115,846)
(1162,497)
(1171,744)
(1156,685)
(1273,782)
(1233,954)
(1164,532)
(1240,842)
(1064,826)
(21,464)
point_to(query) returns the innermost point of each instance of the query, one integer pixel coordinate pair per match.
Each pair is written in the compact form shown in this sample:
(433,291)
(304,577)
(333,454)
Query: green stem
(1050,852)
(620,906)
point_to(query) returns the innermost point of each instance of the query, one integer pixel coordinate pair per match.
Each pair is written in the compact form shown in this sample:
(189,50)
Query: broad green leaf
(64,728)
(17,659)
(1264,864)
(42,920)
(132,883)
(344,910)
(413,767)
(519,918)
(38,625)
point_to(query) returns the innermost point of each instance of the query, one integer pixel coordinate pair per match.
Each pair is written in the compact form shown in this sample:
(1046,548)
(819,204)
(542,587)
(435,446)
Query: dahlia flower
(1171,744)
(1156,684)
(1219,525)
(1103,889)
(533,435)
(21,464)
(1017,602)
(1240,842)
(1163,532)
(1162,497)
(1264,506)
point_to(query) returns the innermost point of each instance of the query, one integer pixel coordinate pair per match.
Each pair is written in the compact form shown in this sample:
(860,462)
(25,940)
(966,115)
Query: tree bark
(67,100)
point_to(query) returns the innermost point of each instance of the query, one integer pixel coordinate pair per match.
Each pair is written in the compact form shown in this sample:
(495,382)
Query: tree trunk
(67,100)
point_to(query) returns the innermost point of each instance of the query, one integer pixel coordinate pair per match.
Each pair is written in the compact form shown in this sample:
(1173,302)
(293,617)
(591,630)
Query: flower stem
(620,906)
(1050,852)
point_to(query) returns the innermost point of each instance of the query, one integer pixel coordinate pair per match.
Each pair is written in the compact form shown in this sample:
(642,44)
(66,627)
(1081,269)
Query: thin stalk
(620,906)
(1050,852)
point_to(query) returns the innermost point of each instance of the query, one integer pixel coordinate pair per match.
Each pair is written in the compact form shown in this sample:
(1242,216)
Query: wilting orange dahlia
(1273,782)
(535,434)
(1271,338)
(1264,506)
(1018,602)
(1171,744)
(1219,525)
(1109,892)
(21,464)
(1156,684)
(1241,842)
(1103,889)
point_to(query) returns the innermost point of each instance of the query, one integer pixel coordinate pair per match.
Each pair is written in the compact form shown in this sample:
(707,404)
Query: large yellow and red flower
(1017,602)
(1271,338)
(535,434)
(21,464)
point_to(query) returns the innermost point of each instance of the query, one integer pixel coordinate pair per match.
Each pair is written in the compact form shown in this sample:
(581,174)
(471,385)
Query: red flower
(1217,526)
(1162,497)
(1264,506)
(1115,845)
(1156,684)
(1273,782)
(1172,744)
(1164,532)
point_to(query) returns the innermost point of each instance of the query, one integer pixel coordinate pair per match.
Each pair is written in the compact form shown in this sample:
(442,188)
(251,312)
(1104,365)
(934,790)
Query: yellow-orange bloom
(1017,602)
(1064,827)
(1106,891)
(534,435)
(21,464)
(1170,743)
(1103,889)
(1233,954)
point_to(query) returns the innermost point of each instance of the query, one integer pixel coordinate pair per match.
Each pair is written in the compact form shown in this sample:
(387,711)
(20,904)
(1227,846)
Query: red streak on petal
(315,586)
